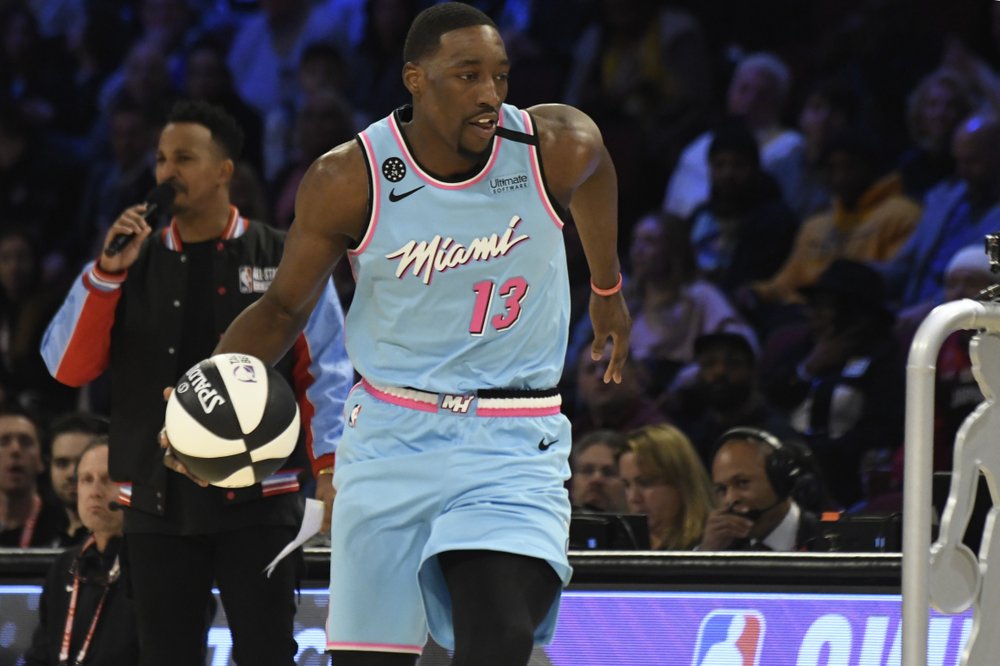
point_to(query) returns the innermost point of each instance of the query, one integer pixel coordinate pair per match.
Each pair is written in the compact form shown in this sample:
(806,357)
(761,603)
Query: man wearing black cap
(841,377)
(724,394)
(744,231)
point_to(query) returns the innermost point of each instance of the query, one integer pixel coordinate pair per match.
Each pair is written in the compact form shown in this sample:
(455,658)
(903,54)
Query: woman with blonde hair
(665,479)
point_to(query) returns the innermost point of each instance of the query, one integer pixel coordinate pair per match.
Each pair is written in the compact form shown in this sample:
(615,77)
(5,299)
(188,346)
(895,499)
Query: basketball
(232,420)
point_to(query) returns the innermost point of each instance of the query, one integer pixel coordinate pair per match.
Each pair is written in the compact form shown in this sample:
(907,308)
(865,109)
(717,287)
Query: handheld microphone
(115,506)
(161,196)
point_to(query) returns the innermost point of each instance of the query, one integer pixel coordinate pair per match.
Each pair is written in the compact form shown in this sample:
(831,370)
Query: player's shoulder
(338,166)
(335,189)
(564,124)
(570,143)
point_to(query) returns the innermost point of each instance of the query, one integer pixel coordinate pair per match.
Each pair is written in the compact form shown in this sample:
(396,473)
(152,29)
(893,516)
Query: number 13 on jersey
(512,292)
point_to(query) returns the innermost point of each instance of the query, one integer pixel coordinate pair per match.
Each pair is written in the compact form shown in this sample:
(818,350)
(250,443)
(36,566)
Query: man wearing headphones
(756,477)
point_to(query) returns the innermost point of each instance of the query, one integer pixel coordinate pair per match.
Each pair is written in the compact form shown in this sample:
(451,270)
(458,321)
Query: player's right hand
(610,318)
(129,222)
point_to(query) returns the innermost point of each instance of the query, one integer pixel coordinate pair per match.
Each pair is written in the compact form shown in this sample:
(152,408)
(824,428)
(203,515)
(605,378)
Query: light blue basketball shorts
(414,479)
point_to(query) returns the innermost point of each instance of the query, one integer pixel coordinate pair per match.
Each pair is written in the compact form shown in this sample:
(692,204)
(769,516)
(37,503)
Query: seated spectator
(84,613)
(122,180)
(744,231)
(323,121)
(756,477)
(829,107)
(269,44)
(642,71)
(322,70)
(38,190)
(70,435)
(376,85)
(596,484)
(722,394)
(665,480)
(25,520)
(841,376)
(670,305)
(956,392)
(26,305)
(207,78)
(869,221)
(933,111)
(757,93)
(620,407)
(956,214)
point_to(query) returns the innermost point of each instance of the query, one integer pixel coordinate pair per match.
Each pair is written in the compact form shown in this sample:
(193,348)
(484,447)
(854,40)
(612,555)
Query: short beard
(474,156)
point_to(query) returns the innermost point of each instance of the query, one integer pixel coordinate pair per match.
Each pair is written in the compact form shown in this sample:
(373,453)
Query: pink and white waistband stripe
(403,397)
(428,402)
(375,647)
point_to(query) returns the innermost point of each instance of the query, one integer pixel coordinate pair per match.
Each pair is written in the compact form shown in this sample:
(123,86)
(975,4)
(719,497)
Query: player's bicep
(330,209)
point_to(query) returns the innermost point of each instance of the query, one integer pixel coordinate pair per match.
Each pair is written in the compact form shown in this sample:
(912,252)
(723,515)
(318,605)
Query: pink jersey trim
(397,400)
(374,647)
(376,196)
(431,180)
(536,171)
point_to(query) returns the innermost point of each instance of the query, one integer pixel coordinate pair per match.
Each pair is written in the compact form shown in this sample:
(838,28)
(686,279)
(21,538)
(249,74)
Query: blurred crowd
(800,184)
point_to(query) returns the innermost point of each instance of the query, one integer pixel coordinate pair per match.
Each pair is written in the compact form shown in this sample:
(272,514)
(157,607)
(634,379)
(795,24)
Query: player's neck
(202,224)
(15,508)
(434,154)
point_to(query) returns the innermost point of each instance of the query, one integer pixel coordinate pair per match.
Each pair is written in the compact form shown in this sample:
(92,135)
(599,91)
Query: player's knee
(499,641)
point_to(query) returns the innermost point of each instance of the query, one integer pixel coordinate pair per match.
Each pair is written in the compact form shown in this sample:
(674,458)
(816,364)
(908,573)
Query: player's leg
(498,601)
(171,580)
(386,494)
(496,556)
(260,609)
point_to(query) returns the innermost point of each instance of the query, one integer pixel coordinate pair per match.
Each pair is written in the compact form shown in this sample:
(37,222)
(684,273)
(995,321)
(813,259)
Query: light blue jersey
(460,285)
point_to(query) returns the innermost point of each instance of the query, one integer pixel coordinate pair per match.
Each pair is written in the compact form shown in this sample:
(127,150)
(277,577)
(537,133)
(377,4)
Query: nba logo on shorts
(730,638)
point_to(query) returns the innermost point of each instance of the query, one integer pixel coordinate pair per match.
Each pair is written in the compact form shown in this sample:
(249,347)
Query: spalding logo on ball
(232,420)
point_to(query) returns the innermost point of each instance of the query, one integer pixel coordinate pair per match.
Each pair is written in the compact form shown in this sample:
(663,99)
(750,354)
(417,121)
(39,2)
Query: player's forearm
(595,210)
(263,330)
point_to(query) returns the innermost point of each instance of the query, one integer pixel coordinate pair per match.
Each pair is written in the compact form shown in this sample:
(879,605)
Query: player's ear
(413,78)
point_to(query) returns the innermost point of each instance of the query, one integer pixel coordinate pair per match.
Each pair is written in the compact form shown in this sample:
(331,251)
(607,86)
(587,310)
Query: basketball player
(451,511)
(149,313)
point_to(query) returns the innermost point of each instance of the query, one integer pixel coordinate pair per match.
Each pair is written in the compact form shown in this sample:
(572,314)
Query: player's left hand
(326,493)
(169,460)
(610,318)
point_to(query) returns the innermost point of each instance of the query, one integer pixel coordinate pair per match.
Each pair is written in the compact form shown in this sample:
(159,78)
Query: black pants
(171,579)
(498,599)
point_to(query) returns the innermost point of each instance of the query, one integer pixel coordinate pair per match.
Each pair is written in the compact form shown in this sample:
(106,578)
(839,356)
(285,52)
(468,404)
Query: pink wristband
(607,292)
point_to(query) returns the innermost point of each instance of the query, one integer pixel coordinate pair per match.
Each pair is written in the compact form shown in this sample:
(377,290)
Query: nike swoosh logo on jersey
(544,446)
(393,197)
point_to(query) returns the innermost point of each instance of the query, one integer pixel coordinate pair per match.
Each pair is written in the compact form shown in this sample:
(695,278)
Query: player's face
(458,89)
(193,163)
(20,455)
(66,450)
(96,491)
